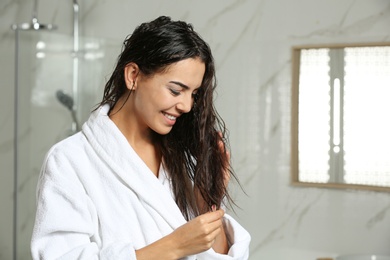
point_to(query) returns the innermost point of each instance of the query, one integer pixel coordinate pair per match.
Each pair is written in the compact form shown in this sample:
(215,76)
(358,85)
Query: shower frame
(35,25)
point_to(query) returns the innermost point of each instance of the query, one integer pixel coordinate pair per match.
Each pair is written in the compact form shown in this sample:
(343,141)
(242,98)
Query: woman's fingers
(210,224)
(199,234)
(213,217)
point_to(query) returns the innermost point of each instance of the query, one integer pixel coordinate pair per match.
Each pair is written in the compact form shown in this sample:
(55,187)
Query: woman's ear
(131,74)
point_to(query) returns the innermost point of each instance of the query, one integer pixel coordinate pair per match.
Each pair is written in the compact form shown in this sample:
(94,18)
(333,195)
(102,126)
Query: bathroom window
(341,123)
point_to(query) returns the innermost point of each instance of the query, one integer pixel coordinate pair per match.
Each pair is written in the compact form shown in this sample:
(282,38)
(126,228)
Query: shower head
(34,24)
(65,99)
(68,102)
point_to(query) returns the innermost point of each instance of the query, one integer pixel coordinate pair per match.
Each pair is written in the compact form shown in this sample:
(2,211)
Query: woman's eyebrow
(180,84)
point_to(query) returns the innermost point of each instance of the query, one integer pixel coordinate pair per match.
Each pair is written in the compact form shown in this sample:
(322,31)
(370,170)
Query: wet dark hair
(191,152)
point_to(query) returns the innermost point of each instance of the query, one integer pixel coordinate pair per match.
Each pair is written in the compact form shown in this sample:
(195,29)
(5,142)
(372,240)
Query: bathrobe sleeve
(66,220)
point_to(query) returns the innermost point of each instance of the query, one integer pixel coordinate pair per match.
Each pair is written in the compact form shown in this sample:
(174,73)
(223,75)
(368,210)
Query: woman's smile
(171,118)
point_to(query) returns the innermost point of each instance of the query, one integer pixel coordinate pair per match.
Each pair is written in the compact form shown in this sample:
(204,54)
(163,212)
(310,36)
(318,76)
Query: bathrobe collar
(113,148)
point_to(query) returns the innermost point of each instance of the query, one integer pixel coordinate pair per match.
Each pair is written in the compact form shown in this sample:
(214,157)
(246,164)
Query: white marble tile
(251,41)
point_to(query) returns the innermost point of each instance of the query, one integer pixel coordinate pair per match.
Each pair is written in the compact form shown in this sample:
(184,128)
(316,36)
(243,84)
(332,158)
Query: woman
(148,173)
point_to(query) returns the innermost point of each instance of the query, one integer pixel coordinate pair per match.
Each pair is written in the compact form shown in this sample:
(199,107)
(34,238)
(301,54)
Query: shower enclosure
(58,80)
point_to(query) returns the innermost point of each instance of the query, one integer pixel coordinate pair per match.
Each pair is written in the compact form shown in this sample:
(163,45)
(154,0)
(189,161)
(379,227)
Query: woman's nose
(185,103)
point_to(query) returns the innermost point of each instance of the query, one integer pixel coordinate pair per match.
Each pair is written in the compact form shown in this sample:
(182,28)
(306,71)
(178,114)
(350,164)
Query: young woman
(147,175)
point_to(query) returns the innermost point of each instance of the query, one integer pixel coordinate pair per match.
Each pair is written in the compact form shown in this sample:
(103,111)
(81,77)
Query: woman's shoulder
(65,160)
(72,147)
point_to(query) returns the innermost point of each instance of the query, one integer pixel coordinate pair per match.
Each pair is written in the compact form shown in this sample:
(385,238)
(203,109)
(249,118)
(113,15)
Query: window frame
(294,157)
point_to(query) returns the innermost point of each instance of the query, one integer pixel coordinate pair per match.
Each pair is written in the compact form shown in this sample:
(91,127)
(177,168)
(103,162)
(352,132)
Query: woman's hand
(196,236)
(199,234)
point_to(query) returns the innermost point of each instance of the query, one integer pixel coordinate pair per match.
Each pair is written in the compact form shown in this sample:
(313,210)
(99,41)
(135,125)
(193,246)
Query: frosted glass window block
(314,116)
(367,116)
(344,107)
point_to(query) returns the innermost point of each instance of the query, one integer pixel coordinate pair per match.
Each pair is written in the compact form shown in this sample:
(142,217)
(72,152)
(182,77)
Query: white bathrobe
(97,199)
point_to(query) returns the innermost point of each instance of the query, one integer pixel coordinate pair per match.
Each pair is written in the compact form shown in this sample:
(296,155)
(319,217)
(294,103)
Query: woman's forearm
(163,249)
(221,245)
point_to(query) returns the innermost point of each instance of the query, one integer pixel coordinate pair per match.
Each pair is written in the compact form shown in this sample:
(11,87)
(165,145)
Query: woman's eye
(174,92)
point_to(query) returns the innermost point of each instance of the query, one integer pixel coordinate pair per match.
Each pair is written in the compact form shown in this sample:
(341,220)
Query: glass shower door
(44,66)
(45,82)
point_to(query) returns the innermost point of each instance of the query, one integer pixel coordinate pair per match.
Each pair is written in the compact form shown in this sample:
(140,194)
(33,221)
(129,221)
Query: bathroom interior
(57,54)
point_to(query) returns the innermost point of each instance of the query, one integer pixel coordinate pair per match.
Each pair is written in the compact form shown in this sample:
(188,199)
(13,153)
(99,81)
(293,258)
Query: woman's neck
(145,142)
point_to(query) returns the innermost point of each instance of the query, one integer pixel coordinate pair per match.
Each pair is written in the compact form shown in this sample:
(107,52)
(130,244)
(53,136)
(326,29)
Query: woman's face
(163,97)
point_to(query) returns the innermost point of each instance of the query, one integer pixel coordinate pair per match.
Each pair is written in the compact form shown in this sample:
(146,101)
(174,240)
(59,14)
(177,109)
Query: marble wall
(251,41)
